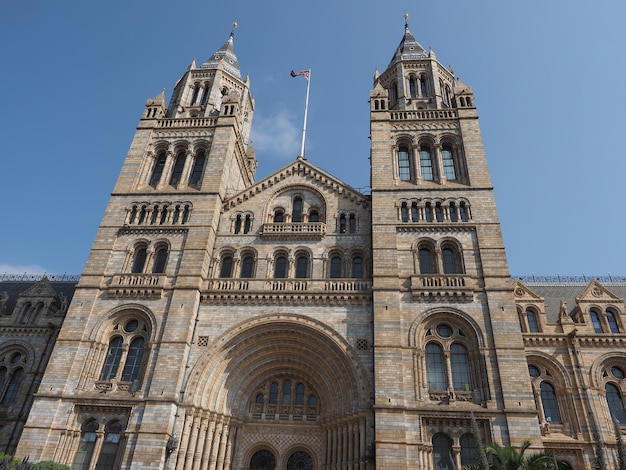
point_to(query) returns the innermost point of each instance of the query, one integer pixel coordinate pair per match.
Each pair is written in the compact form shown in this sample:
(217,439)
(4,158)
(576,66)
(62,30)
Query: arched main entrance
(286,383)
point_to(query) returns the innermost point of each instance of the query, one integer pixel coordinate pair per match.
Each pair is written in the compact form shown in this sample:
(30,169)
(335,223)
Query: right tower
(447,342)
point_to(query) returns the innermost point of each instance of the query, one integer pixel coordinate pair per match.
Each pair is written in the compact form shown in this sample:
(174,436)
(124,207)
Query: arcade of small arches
(444,256)
(298,263)
(603,320)
(14,364)
(427,210)
(158,213)
(146,256)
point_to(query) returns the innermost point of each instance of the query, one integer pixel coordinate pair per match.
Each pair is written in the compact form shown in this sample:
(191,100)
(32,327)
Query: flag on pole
(304,73)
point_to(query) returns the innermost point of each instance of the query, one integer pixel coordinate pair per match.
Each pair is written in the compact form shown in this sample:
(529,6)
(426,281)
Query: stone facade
(296,323)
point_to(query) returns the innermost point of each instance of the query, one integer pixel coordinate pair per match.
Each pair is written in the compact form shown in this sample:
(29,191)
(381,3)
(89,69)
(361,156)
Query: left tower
(119,364)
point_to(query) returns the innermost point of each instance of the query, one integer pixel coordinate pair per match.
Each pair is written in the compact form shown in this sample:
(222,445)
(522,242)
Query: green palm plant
(510,458)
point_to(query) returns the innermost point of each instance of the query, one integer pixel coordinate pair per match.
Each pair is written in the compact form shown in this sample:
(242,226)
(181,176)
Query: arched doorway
(263,460)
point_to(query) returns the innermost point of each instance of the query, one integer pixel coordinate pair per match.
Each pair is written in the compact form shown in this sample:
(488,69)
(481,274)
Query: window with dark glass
(13,387)
(459,363)
(453,214)
(435,368)
(426,163)
(414,212)
(442,452)
(531,318)
(198,168)
(595,321)
(226,267)
(352,223)
(342,223)
(612,321)
(139,261)
(237,224)
(428,212)
(302,266)
(247,224)
(404,166)
(194,96)
(113,357)
(616,404)
(280,267)
(404,212)
(423,87)
(273,393)
(450,262)
(314,216)
(463,212)
(84,454)
(159,165)
(357,267)
(133,360)
(247,267)
(469,450)
(550,403)
(160,260)
(426,261)
(296,214)
(335,266)
(177,171)
(110,446)
(412,86)
(279,216)
(438,212)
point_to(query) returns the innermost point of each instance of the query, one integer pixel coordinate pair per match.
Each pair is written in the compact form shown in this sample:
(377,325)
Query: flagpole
(306,109)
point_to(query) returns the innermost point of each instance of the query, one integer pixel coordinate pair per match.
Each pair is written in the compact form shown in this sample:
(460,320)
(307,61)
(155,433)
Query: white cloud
(21,269)
(277,135)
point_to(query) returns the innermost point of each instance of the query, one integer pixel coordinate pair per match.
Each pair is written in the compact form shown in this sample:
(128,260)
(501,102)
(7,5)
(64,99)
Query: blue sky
(547,78)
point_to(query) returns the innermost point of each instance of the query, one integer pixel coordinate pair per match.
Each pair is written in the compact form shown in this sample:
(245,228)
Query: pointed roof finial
(232,32)
(225,57)
(406,21)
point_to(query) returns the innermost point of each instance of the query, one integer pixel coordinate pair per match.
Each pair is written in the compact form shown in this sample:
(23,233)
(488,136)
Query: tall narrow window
(279,216)
(448,163)
(531,318)
(133,360)
(459,363)
(435,369)
(139,261)
(426,261)
(616,405)
(247,267)
(352,223)
(314,216)
(450,264)
(113,357)
(423,86)
(453,214)
(296,214)
(108,452)
(463,212)
(335,266)
(342,223)
(414,212)
(404,166)
(160,260)
(194,96)
(413,86)
(286,392)
(273,399)
(550,403)
(469,450)
(237,224)
(428,212)
(198,168)
(159,164)
(302,266)
(357,267)
(205,94)
(13,387)
(438,212)
(84,454)
(280,267)
(247,224)
(612,321)
(177,171)
(404,212)
(426,163)
(226,267)
(595,321)
(300,394)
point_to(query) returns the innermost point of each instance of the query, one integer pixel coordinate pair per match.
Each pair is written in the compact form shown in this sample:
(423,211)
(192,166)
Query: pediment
(41,288)
(597,293)
(299,172)
(523,294)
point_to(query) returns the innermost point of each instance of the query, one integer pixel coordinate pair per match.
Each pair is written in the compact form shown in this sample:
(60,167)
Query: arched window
(357,267)
(300,394)
(133,360)
(194,96)
(451,264)
(302,266)
(438,212)
(448,163)
(428,212)
(247,224)
(442,452)
(139,260)
(13,387)
(273,393)
(423,86)
(615,403)
(549,403)
(469,450)
(459,363)
(426,163)
(179,164)
(335,266)
(612,321)
(84,454)
(595,321)
(453,213)
(342,223)
(280,267)
(279,216)
(263,460)
(404,212)
(426,261)
(296,213)
(247,267)
(159,165)
(300,461)
(237,228)
(435,368)
(286,400)
(463,212)
(412,86)
(314,216)
(404,166)
(160,260)
(28,312)
(113,357)
(205,94)
(352,223)
(226,266)
(198,168)
(110,446)
(531,319)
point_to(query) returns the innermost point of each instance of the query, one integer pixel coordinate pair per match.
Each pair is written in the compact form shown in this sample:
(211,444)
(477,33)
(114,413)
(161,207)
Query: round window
(617,372)
(533,371)
(444,331)
(131,326)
